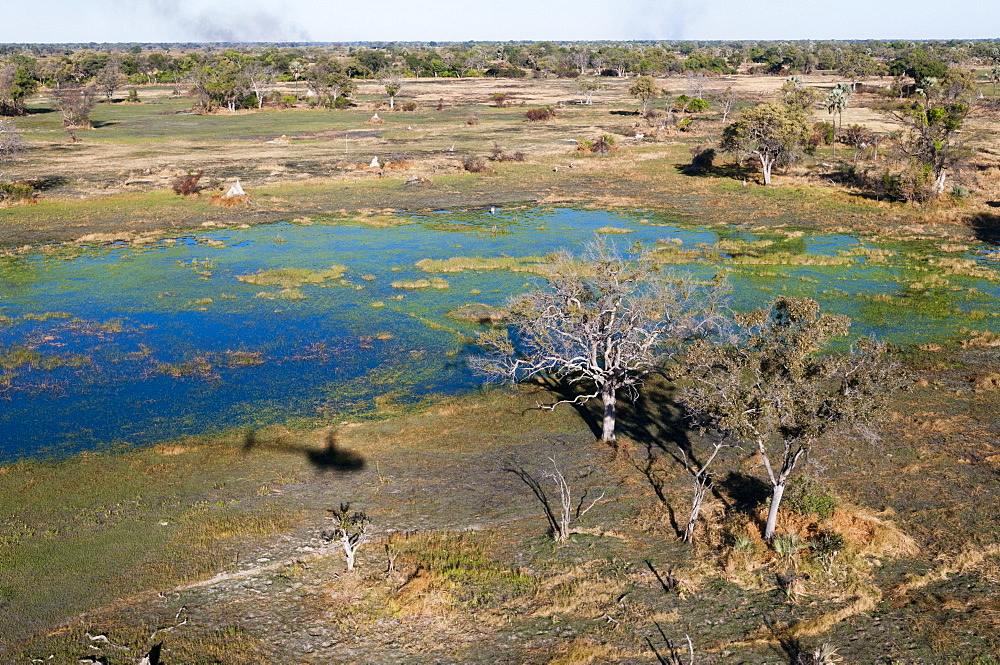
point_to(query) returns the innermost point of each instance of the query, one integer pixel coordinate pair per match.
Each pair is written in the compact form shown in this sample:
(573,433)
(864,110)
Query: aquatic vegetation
(293,277)
(784,259)
(225,328)
(535,264)
(196,367)
(478,313)
(409,285)
(613,230)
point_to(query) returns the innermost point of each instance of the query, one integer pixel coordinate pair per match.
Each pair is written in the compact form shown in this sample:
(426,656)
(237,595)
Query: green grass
(161,517)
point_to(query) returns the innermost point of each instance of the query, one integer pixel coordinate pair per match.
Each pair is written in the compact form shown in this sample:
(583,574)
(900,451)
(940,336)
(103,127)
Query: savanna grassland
(211,548)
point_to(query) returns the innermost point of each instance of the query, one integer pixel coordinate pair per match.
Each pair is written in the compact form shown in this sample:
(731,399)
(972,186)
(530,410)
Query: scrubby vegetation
(729,510)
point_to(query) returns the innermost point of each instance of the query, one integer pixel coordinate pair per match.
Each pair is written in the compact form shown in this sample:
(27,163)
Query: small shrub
(806,496)
(960,192)
(440,106)
(11,143)
(828,542)
(472,119)
(605,145)
(539,115)
(499,154)
(15,191)
(684,125)
(187,184)
(697,105)
(685,104)
(133,96)
(702,160)
(500,99)
(825,131)
(287,101)
(409,106)
(475,164)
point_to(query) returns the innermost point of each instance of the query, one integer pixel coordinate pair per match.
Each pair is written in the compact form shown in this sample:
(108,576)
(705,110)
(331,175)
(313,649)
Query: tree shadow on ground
(732,171)
(330,457)
(654,423)
(745,493)
(986,225)
(48,183)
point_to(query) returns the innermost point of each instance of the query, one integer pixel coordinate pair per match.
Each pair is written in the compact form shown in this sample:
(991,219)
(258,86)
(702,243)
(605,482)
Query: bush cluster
(15,191)
(476,164)
(538,115)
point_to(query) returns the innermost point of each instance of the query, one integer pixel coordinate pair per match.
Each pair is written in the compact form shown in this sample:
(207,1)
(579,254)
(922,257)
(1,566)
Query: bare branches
(559,523)
(350,530)
(607,321)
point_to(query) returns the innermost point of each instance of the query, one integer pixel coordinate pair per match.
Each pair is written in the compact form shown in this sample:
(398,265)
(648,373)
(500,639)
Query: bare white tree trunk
(772,513)
(765,164)
(702,484)
(608,424)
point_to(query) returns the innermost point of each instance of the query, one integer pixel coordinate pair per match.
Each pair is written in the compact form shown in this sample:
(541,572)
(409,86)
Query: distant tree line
(58,66)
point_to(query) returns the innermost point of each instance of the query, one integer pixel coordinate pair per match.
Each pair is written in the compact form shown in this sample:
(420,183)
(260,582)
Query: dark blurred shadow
(986,225)
(330,457)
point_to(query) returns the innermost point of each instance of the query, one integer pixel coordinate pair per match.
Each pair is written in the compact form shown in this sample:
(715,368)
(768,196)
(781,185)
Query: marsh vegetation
(192,391)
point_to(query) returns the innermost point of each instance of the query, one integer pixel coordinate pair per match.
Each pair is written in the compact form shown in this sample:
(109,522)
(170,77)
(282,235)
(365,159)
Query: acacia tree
(644,89)
(775,388)
(770,131)
(606,322)
(588,87)
(76,105)
(932,140)
(109,79)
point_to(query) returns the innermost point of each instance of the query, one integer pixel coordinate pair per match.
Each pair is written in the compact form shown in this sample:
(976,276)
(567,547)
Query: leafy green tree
(17,83)
(588,87)
(919,66)
(856,66)
(932,138)
(644,89)
(771,132)
(776,387)
(797,96)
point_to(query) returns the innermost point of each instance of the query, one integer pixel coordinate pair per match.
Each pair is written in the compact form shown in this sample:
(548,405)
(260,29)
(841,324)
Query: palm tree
(836,102)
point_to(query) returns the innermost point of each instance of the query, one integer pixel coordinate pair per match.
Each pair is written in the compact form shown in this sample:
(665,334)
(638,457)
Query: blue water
(132,313)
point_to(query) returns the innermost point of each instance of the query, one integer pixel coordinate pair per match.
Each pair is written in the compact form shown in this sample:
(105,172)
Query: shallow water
(130,344)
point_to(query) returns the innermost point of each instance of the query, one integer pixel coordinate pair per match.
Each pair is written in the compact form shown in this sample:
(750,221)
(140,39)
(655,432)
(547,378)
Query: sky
(492,20)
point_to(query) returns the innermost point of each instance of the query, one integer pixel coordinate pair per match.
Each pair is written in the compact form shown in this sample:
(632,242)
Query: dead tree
(606,322)
(559,522)
(701,482)
(350,530)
